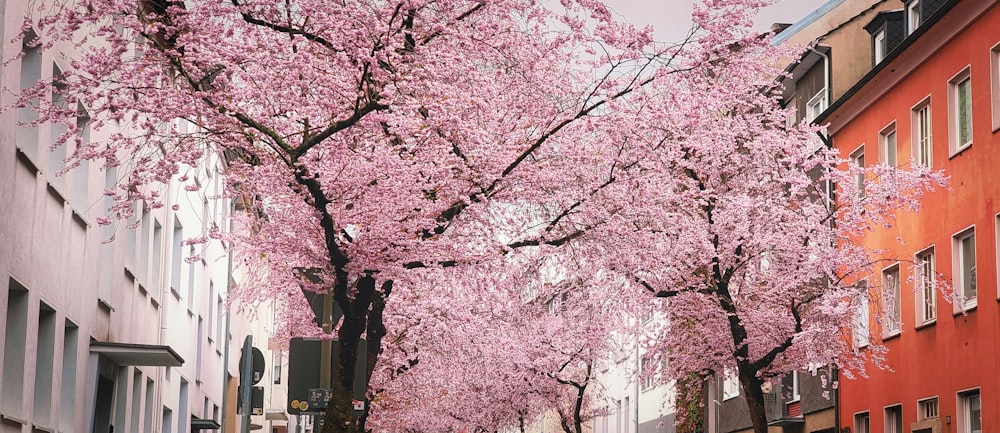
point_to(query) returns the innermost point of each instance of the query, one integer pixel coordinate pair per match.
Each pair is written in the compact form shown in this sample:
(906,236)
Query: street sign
(257,367)
(319,398)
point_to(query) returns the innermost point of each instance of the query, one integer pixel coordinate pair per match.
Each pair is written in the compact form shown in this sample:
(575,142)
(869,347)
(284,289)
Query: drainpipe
(225,338)
(826,75)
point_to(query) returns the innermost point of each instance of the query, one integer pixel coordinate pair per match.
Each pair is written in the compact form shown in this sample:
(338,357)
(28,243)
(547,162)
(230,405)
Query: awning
(138,354)
(204,424)
(786,422)
(275,415)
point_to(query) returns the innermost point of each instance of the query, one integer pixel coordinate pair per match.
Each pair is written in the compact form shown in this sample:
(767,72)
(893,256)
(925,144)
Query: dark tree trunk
(751,385)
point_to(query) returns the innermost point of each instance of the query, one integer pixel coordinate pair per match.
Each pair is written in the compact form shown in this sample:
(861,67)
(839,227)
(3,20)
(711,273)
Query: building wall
(839,23)
(956,352)
(63,287)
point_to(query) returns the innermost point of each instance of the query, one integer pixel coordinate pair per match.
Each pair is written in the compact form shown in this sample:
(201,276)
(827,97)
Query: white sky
(671,18)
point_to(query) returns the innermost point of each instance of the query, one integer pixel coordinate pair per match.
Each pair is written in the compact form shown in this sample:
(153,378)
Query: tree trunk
(751,385)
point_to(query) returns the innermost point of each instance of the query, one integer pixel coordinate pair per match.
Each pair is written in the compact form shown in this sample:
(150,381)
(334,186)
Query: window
(926,305)
(208,313)
(168,420)
(960,111)
(81,174)
(894,419)
(183,417)
(861,423)
(890,301)
(191,282)
(626,416)
(796,394)
(970,419)
(143,255)
(199,344)
(147,422)
(861,330)
(136,400)
(176,256)
(218,323)
(31,73)
(816,105)
(14,345)
(67,395)
(912,16)
(275,367)
(44,364)
(878,39)
(647,373)
(107,251)
(964,265)
(858,159)
(730,385)
(887,145)
(57,159)
(927,409)
(995,84)
(920,119)
(157,256)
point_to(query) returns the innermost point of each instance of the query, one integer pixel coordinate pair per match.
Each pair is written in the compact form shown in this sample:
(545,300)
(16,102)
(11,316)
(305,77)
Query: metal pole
(326,357)
(226,341)
(247,371)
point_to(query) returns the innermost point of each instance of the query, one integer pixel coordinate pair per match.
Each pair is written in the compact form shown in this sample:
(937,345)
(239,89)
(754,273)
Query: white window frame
(995,85)
(892,321)
(860,427)
(928,408)
(892,417)
(921,133)
(964,408)
(925,290)
(816,105)
(879,46)
(954,111)
(857,157)
(862,325)
(647,377)
(796,387)
(888,145)
(961,303)
(730,385)
(913,17)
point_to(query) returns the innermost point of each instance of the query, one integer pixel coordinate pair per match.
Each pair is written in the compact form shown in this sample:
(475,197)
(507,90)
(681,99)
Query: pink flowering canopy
(433,164)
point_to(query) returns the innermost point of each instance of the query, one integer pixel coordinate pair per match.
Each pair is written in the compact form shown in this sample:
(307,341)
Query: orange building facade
(935,299)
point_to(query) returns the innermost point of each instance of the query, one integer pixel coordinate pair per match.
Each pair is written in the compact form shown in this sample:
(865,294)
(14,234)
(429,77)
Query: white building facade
(119,337)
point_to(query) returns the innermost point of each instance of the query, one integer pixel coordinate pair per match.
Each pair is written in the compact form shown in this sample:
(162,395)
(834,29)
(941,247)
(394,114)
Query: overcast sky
(671,18)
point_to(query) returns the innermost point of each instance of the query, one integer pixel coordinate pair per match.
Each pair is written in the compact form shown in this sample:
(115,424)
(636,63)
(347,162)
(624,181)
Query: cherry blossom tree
(386,148)
(744,223)
(367,140)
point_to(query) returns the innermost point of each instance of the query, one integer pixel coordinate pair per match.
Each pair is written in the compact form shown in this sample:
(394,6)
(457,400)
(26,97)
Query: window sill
(959,151)
(12,419)
(964,310)
(926,324)
(80,219)
(173,291)
(105,305)
(43,428)
(26,160)
(891,336)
